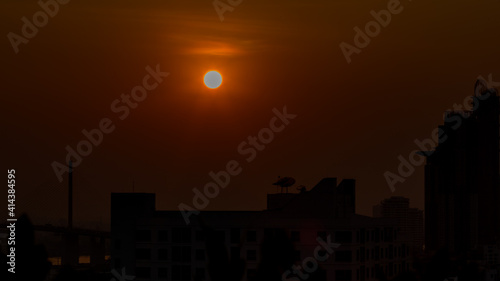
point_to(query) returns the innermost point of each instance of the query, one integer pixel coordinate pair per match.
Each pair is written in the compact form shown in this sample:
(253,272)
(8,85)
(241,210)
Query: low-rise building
(312,232)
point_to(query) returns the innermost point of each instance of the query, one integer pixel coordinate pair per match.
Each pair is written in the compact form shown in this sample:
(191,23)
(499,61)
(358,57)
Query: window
(343,275)
(362,236)
(200,255)
(235,252)
(143,272)
(322,235)
(143,235)
(251,274)
(376,236)
(181,254)
(181,235)
(296,255)
(162,254)
(162,273)
(235,235)
(251,236)
(251,255)
(181,272)
(343,256)
(388,234)
(199,274)
(295,236)
(343,237)
(143,254)
(270,232)
(220,236)
(322,254)
(163,235)
(200,236)
(118,244)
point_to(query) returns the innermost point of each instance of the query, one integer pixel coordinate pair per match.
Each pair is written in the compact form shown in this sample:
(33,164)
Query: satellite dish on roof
(284,183)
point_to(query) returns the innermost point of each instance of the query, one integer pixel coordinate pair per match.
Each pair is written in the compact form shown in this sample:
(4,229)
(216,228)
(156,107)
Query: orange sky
(353,119)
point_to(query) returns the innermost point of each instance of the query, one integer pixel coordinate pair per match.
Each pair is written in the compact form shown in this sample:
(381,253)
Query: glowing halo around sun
(213,79)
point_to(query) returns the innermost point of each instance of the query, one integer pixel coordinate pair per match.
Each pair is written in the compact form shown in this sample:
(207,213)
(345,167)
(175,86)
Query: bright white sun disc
(213,79)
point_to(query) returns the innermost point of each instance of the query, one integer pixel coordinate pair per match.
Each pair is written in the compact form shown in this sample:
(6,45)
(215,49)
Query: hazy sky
(353,120)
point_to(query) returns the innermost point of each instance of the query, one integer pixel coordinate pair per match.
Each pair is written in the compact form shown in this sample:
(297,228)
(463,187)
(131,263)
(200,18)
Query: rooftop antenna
(70,195)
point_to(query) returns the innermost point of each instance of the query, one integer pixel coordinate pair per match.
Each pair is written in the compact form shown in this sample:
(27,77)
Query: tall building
(409,220)
(462,197)
(287,240)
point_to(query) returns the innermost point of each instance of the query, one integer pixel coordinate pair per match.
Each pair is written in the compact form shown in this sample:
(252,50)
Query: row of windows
(378,253)
(179,273)
(183,235)
(387,234)
(371,272)
(179,254)
(376,235)
(362,236)
(340,236)
(183,254)
(389,270)
(179,235)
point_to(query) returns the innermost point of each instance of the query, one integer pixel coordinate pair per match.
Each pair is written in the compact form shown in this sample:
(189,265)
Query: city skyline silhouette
(250,140)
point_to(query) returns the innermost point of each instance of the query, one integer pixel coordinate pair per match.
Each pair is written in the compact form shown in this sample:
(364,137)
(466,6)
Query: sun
(213,79)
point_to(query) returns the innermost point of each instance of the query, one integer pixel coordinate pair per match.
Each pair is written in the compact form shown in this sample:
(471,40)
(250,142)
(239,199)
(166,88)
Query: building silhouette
(158,245)
(409,220)
(462,196)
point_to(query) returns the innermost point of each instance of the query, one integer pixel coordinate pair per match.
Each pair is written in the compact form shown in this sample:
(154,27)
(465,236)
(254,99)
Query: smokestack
(70,196)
